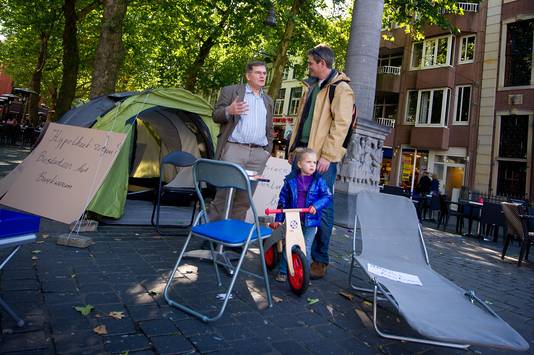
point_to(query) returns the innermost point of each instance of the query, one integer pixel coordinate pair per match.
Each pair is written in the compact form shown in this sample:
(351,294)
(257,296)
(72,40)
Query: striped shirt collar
(248,90)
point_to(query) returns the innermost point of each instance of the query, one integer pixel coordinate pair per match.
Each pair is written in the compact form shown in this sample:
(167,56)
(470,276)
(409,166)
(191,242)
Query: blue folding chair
(226,232)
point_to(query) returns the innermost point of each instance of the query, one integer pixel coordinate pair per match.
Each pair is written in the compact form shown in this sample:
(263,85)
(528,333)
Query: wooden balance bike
(298,268)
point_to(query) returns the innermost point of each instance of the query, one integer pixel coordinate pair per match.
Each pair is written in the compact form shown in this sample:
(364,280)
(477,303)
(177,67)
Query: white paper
(394,275)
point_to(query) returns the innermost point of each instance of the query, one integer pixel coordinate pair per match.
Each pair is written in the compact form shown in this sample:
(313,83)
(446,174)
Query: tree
(32,26)
(71,55)
(110,51)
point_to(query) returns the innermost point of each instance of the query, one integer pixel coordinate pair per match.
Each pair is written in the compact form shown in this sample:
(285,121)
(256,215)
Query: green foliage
(413,15)
(163,39)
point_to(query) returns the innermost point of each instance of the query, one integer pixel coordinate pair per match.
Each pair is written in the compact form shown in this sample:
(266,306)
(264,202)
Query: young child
(303,188)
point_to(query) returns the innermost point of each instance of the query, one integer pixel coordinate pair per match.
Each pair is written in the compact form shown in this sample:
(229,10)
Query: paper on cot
(394,275)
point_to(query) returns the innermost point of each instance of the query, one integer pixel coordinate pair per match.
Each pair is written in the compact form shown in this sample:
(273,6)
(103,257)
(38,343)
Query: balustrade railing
(388,69)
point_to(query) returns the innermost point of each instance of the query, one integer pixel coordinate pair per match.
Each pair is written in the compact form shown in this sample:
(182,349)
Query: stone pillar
(359,169)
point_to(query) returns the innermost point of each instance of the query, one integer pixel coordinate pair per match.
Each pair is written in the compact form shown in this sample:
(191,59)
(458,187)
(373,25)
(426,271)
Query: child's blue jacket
(318,196)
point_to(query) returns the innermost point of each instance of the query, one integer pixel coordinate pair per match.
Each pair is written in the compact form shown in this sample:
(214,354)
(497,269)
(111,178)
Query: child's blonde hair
(301,152)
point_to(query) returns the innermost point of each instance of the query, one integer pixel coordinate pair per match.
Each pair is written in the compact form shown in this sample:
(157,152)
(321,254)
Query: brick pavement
(125,271)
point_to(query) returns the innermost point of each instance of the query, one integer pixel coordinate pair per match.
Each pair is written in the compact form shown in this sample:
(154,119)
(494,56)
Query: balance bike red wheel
(272,256)
(300,281)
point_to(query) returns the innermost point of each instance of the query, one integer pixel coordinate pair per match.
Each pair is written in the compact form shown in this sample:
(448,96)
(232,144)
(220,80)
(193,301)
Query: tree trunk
(362,54)
(205,48)
(192,73)
(281,55)
(71,60)
(33,100)
(109,54)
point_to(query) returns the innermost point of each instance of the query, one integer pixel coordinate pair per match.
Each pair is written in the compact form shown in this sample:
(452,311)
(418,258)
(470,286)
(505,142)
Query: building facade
(429,91)
(504,157)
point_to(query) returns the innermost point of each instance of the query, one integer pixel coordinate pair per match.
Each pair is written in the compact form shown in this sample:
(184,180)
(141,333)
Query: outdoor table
(474,209)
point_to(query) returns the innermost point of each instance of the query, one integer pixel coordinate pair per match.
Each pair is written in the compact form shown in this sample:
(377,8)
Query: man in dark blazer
(245,115)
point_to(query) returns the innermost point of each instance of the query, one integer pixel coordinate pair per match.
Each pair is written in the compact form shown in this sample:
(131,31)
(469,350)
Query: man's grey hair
(255,63)
(322,52)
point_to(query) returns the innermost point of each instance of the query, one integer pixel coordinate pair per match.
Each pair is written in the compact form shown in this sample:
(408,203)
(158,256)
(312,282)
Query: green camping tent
(156,122)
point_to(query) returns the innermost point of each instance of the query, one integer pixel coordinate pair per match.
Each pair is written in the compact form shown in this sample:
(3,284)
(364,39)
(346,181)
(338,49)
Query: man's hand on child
(312,210)
(274,225)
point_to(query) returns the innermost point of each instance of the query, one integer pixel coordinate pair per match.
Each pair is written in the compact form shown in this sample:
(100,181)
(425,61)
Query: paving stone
(193,326)
(172,344)
(143,312)
(251,346)
(24,341)
(158,327)
(126,343)
(77,342)
(289,347)
(208,342)
(96,298)
(117,326)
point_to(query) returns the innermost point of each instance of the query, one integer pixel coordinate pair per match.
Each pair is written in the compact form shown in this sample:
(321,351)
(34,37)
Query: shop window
(467,49)
(463,104)
(432,107)
(434,52)
(519,52)
(294,99)
(279,103)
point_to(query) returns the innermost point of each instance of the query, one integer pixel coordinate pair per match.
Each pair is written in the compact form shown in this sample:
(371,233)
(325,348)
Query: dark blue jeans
(321,242)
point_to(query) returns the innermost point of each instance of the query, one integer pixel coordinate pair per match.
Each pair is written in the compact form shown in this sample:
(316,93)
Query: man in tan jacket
(322,125)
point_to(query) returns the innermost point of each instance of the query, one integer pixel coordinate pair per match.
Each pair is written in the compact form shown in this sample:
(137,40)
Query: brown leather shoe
(317,270)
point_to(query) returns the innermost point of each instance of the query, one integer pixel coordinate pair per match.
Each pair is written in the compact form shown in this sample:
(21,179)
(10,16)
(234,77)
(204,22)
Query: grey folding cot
(394,257)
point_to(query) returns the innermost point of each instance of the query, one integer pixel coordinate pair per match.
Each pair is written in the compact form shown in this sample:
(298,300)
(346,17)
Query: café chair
(517,227)
(177,159)
(227,232)
(492,218)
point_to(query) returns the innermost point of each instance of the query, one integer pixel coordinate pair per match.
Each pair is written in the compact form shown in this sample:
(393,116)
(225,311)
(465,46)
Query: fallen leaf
(45,236)
(330,309)
(36,251)
(40,241)
(116,315)
(367,303)
(100,330)
(488,302)
(277,299)
(312,300)
(84,310)
(35,258)
(346,295)
(153,293)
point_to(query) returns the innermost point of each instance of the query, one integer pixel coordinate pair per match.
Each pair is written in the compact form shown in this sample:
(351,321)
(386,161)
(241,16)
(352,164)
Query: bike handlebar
(268,211)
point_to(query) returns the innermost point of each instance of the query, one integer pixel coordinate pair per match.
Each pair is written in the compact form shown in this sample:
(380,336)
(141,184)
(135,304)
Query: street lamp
(271,19)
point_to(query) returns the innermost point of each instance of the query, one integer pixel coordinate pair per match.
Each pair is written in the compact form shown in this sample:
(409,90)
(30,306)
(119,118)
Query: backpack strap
(332,90)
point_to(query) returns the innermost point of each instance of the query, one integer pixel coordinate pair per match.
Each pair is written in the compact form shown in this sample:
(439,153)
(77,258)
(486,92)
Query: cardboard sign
(61,176)
(267,193)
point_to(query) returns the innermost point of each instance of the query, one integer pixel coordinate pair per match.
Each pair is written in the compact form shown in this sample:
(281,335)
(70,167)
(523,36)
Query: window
(285,75)
(467,49)
(269,77)
(519,52)
(279,103)
(432,107)
(429,106)
(296,93)
(463,104)
(411,107)
(431,53)
(390,60)
(386,107)
(512,160)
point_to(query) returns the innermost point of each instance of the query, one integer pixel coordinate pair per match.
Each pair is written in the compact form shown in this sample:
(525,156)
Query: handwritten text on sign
(266,194)
(61,176)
